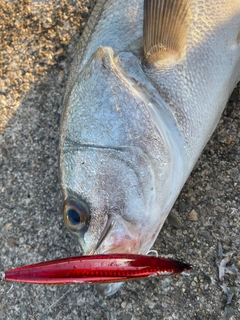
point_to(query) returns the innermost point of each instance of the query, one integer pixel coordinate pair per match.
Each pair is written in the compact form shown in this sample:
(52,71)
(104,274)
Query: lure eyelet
(76,215)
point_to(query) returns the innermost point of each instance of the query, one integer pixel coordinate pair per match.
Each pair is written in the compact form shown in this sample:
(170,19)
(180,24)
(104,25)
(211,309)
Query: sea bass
(147,88)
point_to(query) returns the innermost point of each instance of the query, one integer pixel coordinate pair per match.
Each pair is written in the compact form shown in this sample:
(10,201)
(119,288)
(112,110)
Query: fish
(95,269)
(147,87)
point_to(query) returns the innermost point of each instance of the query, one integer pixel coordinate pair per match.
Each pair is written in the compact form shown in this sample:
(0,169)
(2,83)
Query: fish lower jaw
(108,289)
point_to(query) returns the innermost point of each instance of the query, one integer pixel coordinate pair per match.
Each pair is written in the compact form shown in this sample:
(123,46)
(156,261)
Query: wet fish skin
(131,132)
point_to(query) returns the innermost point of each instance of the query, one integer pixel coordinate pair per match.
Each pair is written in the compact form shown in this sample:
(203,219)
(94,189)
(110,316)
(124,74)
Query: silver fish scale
(112,23)
(107,119)
(197,87)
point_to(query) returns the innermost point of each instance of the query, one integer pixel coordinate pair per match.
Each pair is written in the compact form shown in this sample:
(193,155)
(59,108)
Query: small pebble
(166,284)
(11,242)
(193,215)
(219,209)
(193,199)
(229,140)
(8,227)
(150,304)
(182,206)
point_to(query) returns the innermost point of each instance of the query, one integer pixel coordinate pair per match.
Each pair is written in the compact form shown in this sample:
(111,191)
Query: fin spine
(165,28)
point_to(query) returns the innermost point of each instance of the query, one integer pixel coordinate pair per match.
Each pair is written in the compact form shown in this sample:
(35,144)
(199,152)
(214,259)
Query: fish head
(109,196)
(116,159)
(109,199)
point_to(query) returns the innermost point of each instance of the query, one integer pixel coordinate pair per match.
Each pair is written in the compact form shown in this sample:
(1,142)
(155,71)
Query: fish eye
(76,215)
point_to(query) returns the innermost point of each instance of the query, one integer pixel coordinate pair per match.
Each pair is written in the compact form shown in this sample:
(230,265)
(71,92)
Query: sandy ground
(37,41)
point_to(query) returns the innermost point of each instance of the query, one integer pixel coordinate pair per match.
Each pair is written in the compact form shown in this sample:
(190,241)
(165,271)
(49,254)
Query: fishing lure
(95,269)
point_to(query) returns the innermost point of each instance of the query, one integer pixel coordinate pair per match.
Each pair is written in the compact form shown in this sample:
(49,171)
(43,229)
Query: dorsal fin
(165,29)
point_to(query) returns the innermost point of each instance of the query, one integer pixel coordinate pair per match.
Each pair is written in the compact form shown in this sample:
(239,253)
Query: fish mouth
(118,236)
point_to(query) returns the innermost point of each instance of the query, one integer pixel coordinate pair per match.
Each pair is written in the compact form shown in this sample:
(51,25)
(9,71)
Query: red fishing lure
(95,269)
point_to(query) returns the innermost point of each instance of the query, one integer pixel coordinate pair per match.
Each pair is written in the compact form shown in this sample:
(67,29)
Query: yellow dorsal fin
(165,29)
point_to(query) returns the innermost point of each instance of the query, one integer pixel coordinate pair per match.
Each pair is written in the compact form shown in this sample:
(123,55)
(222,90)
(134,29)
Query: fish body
(146,90)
